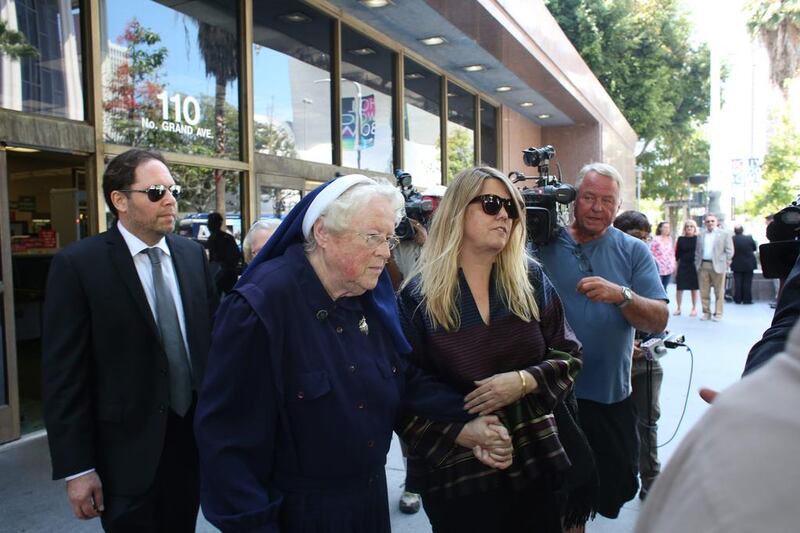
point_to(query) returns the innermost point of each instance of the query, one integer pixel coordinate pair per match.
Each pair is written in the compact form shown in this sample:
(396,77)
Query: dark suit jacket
(105,383)
(744,257)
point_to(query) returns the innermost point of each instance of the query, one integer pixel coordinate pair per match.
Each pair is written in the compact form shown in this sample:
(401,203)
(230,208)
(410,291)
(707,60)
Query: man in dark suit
(127,322)
(743,264)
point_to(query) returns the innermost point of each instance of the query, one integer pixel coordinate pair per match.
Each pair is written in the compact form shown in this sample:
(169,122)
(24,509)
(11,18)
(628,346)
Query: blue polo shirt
(606,336)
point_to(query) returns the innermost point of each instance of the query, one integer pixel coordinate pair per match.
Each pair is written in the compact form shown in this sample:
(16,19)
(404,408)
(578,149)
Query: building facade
(253,104)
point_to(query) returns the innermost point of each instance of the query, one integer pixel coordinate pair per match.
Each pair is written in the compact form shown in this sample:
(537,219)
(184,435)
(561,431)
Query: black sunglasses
(156,192)
(491,204)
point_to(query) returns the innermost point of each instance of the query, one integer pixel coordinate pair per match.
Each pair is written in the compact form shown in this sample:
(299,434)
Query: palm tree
(14,45)
(220,54)
(777,23)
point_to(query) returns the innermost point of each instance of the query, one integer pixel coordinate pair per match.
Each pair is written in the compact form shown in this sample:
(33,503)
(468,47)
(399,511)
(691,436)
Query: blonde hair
(438,261)
(688,223)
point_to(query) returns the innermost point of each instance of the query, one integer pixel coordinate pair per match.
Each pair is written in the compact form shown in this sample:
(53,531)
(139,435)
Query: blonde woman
(686,274)
(484,318)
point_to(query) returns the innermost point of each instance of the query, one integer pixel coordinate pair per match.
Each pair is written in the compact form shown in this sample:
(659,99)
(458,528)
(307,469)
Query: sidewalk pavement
(31,502)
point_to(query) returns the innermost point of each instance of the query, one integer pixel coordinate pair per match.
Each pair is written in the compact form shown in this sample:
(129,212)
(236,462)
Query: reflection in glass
(421,111)
(277,202)
(366,103)
(198,198)
(45,77)
(460,130)
(488,134)
(170,76)
(291,81)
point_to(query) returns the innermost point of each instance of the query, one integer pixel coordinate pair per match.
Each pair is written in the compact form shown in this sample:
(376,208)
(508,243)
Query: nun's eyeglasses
(374,240)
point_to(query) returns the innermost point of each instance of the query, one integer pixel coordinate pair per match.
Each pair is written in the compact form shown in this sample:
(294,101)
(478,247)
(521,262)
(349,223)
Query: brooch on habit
(363,327)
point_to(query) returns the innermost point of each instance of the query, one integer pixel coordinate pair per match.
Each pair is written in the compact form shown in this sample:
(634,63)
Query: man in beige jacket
(712,257)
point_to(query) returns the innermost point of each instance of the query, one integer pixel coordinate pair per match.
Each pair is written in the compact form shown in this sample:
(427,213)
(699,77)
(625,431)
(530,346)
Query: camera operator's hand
(420,233)
(599,289)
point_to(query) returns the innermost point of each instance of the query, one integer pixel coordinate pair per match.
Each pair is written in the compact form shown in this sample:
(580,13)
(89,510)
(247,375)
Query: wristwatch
(627,297)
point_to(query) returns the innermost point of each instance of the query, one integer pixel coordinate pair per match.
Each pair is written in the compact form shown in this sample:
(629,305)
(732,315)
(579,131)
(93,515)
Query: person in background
(223,254)
(610,287)
(663,250)
(686,274)
(257,236)
(736,470)
(646,376)
(126,332)
(404,258)
(742,265)
(306,379)
(711,259)
(483,317)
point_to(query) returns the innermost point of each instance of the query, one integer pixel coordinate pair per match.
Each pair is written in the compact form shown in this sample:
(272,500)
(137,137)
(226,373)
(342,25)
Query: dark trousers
(743,287)
(171,503)
(611,432)
(646,377)
(530,510)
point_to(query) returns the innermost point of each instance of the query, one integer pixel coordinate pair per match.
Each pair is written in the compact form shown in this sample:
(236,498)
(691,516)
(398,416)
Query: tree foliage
(777,24)
(641,52)
(670,161)
(780,171)
(14,45)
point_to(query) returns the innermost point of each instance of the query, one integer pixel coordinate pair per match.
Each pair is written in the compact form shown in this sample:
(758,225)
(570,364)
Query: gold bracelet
(524,383)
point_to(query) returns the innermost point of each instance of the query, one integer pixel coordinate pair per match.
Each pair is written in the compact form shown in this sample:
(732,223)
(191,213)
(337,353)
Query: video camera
(779,255)
(417,208)
(545,204)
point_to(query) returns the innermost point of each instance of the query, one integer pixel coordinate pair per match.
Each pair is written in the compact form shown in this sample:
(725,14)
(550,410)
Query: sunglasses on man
(491,204)
(156,192)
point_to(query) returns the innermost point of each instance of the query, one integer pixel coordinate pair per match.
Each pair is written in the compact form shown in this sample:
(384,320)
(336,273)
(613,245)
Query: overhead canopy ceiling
(474,37)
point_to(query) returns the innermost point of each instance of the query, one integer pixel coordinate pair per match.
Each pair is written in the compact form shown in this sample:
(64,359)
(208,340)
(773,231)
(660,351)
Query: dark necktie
(180,375)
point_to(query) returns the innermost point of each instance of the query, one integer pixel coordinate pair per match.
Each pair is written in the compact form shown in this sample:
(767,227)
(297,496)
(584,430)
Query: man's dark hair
(632,220)
(214,221)
(120,172)
(738,229)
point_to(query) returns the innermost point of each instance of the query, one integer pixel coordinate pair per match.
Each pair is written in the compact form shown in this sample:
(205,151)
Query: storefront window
(460,130)
(276,202)
(488,134)
(421,112)
(292,81)
(171,75)
(366,103)
(45,77)
(200,190)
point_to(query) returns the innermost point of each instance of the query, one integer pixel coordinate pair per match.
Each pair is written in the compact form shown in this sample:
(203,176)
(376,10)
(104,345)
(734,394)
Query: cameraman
(404,257)
(610,287)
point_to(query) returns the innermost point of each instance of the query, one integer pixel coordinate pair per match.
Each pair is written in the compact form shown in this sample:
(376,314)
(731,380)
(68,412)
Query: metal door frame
(9,412)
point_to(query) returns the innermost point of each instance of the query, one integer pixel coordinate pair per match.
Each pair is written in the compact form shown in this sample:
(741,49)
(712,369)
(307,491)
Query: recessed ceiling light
(295,17)
(544,115)
(362,51)
(20,149)
(526,104)
(414,76)
(374,3)
(452,95)
(503,88)
(474,68)
(433,40)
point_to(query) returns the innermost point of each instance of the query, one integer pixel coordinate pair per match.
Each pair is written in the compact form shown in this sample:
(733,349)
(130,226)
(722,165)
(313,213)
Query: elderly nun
(307,376)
